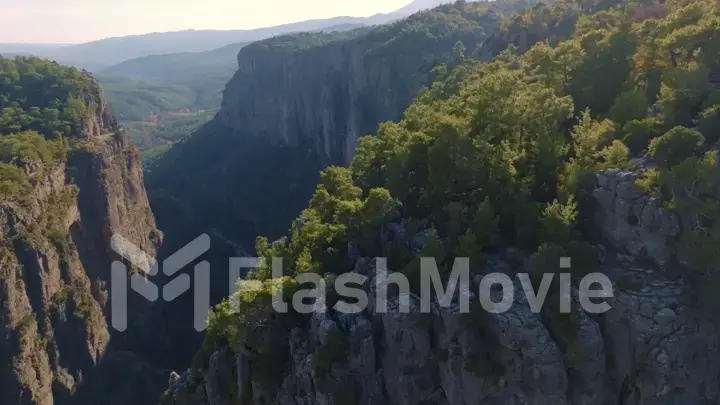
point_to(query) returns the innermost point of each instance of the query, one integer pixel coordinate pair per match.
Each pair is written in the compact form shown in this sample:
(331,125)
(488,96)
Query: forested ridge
(43,107)
(500,158)
(43,96)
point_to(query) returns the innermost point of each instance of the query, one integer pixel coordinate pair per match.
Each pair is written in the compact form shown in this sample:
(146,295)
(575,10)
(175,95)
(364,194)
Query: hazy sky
(69,21)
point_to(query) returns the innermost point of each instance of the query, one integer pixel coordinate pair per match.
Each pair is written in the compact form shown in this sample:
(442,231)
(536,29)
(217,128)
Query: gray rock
(669,222)
(623,208)
(605,198)
(628,190)
(650,217)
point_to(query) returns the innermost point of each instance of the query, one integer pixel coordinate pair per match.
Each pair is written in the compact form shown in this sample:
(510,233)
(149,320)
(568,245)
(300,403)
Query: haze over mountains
(162,85)
(96,55)
(496,139)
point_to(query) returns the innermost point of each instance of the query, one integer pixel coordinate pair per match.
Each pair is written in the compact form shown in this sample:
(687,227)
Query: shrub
(245,318)
(558,222)
(676,145)
(615,156)
(13,182)
(628,106)
(31,146)
(637,134)
(712,100)
(709,125)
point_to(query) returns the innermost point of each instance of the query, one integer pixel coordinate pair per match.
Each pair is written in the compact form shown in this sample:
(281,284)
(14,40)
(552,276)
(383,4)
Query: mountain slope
(506,173)
(69,180)
(178,67)
(97,55)
(155,95)
(298,103)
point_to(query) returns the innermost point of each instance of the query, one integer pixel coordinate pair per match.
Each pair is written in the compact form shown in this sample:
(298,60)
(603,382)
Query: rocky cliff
(55,258)
(652,347)
(299,103)
(326,92)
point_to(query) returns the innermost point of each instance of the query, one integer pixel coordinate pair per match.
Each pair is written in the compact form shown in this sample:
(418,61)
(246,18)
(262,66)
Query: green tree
(676,145)
(558,223)
(468,247)
(616,155)
(13,182)
(637,134)
(629,105)
(709,125)
(484,224)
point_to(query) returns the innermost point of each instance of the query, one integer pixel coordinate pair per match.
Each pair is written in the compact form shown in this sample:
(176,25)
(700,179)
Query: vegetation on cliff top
(43,96)
(514,145)
(43,106)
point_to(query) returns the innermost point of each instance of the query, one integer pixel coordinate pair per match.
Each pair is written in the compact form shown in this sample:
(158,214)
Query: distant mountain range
(162,85)
(97,55)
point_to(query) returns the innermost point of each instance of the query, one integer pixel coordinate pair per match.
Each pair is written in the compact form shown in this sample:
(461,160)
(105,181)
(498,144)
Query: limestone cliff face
(653,347)
(336,90)
(55,263)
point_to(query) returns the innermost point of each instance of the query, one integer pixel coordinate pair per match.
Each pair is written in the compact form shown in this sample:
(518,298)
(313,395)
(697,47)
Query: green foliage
(682,94)
(709,125)
(468,247)
(615,156)
(31,147)
(221,331)
(676,145)
(484,224)
(693,186)
(503,155)
(42,96)
(222,161)
(629,106)
(165,128)
(13,182)
(136,101)
(689,189)
(558,222)
(637,134)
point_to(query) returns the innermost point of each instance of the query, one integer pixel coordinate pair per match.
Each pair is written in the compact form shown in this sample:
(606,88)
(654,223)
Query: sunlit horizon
(78,21)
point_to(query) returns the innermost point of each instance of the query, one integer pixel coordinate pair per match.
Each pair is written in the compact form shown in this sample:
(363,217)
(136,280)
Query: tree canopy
(503,154)
(43,106)
(43,96)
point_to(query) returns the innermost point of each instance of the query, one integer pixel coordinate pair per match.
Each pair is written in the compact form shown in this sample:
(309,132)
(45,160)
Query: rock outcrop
(55,260)
(652,347)
(636,224)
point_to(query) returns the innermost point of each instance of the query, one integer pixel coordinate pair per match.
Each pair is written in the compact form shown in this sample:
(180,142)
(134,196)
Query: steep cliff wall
(55,258)
(653,347)
(300,103)
(331,91)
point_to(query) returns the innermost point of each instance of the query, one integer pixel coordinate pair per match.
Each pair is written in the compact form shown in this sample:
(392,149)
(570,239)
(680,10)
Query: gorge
(517,134)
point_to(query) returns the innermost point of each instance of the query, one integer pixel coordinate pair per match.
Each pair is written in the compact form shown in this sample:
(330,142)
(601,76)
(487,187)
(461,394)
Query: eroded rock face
(633,222)
(101,119)
(352,85)
(649,349)
(54,326)
(652,347)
